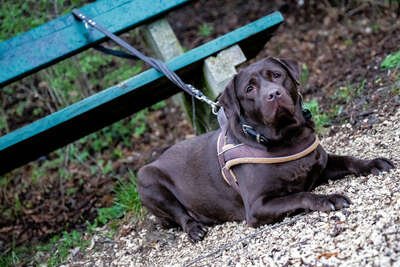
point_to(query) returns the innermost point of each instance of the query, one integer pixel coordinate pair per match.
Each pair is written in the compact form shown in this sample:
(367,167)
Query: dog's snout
(274,94)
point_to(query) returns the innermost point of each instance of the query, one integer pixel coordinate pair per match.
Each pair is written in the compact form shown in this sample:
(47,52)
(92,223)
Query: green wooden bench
(65,36)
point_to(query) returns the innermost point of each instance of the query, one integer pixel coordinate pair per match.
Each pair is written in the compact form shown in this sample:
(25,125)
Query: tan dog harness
(230,155)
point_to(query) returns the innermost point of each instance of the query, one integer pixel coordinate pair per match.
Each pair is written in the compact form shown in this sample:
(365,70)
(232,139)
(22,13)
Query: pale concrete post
(217,70)
(162,40)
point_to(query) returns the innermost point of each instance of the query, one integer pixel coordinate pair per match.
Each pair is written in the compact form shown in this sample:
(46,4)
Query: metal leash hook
(155,63)
(202,97)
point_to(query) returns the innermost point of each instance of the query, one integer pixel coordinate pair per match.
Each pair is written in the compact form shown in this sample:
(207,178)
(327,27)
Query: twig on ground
(357,9)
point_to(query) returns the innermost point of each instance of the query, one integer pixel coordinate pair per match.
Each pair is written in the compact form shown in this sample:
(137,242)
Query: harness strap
(273,160)
(227,174)
(230,155)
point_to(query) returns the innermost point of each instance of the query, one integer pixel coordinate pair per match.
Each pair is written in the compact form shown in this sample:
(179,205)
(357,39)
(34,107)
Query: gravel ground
(366,234)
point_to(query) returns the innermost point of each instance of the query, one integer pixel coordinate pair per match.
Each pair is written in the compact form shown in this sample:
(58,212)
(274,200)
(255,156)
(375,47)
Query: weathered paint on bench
(66,36)
(91,114)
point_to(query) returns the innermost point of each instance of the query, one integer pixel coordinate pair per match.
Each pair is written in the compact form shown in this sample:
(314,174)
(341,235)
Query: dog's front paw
(196,231)
(378,165)
(328,202)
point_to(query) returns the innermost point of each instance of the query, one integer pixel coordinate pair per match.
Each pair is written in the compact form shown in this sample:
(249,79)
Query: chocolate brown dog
(185,187)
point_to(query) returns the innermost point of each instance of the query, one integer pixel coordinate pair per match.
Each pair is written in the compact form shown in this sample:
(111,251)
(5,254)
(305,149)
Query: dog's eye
(249,88)
(276,75)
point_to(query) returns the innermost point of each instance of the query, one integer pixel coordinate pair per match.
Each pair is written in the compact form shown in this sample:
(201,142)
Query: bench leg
(217,71)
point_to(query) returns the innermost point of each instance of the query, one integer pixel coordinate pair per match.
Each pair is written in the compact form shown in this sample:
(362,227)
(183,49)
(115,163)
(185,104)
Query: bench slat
(99,110)
(66,36)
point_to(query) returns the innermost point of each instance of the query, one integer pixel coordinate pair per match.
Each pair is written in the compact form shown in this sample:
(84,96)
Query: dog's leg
(161,202)
(339,166)
(265,211)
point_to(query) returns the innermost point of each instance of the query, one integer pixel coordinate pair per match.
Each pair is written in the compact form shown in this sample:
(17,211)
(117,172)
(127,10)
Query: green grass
(19,16)
(61,248)
(58,248)
(127,195)
(60,85)
(205,30)
(345,93)
(320,119)
(343,96)
(391,61)
(9,11)
(127,200)
(14,257)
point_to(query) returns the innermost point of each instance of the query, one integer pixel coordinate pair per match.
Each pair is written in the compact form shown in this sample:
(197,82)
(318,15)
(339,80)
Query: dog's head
(265,95)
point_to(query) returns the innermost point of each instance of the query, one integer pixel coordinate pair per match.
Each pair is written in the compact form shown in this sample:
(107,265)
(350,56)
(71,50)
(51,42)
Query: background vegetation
(50,208)
(48,91)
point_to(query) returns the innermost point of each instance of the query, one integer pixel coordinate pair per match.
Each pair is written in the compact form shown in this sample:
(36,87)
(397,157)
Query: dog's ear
(228,99)
(293,68)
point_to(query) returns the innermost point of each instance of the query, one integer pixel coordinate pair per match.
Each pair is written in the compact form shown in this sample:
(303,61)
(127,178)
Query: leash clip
(202,97)
(250,131)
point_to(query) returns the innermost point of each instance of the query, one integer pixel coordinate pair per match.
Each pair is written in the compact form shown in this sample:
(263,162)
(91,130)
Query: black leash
(116,53)
(134,53)
(172,76)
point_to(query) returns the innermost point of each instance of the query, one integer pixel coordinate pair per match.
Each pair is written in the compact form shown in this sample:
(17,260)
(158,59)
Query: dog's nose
(274,94)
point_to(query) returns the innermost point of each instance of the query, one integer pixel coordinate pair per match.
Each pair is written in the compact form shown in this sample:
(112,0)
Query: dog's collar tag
(250,131)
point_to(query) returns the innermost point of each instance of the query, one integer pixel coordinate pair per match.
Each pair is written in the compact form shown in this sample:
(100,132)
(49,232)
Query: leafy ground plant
(59,247)
(126,200)
(55,251)
(205,30)
(391,61)
(320,118)
(61,85)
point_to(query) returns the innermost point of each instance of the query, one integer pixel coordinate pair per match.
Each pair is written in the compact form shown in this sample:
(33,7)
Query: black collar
(250,131)
(260,138)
